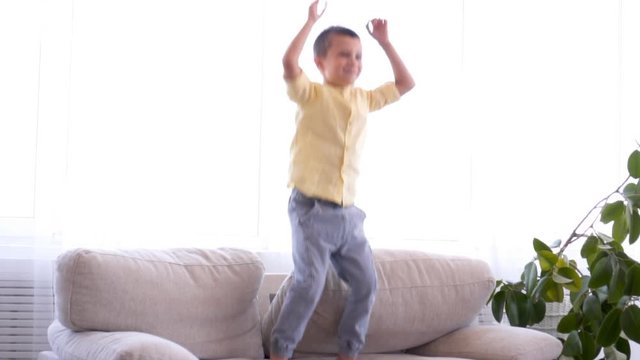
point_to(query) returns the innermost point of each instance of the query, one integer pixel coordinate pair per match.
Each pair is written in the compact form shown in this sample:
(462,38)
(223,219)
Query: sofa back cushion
(420,297)
(203,300)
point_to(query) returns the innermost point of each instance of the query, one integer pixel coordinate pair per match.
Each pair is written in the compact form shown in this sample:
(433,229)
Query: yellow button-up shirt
(330,133)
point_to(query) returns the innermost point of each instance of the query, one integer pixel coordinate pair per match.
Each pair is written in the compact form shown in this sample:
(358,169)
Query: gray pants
(324,233)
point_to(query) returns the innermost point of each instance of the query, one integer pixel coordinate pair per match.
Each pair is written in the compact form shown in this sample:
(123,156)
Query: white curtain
(165,123)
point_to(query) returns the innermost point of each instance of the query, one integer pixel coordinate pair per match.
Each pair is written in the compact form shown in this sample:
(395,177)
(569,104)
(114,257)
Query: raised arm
(292,55)
(404,81)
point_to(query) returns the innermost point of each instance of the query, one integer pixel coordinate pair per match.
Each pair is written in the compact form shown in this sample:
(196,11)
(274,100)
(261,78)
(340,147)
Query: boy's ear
(319,62)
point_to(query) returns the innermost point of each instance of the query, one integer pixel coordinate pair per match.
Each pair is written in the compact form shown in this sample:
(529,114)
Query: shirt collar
(344,90)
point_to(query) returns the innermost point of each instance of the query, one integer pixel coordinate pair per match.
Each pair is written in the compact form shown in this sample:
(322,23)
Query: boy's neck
(338,86)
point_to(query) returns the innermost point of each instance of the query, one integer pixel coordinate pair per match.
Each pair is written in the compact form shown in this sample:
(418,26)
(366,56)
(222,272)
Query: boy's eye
(348,55)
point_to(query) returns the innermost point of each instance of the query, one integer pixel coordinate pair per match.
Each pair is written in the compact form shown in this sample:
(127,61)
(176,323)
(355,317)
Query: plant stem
(574,235)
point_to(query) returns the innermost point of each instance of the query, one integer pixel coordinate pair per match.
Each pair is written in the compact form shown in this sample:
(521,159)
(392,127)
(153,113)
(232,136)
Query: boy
(326,226)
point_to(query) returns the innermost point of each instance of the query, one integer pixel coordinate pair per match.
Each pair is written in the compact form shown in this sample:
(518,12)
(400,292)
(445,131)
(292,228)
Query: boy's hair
(321,45)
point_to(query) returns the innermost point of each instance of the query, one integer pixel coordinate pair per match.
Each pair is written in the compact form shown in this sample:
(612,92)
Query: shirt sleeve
(300,89)
(383,95)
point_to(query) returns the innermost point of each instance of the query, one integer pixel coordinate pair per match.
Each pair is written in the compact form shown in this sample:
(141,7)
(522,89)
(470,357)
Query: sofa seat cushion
(507,343)
(119,345)
(387,356)
(47,355)
(420,297)
(202,299)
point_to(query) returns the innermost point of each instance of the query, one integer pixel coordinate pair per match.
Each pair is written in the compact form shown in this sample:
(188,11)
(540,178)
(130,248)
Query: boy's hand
(378,29)
(290,58)
(313,11)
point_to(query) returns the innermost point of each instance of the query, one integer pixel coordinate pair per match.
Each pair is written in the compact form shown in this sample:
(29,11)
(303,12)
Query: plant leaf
(537,291)
(612,211)
(610,353)
(620,229)
(623,301)
(568,323)
(577,298)
(602,293)
(497,305)
(634,226)
(630,321)
(537,311)
(631,192)
(591,309)
(552,292)
(590,247)
(558,278)
(610,329)
(538,245)
(604,238)
(633,164)
(495,288)
(616,284)
(601,273)
(589,349)
(530,277)
(633,281)
(517,309)
(555,244)
(622,345)
(547,260)
(617,247)
(562,260)
(575,282)
(572,346)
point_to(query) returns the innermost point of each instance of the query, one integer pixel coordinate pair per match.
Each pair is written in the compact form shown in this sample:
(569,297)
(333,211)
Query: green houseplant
(603,286)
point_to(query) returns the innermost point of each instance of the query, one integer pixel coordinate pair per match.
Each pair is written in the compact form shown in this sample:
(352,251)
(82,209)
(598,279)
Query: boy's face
(343,62)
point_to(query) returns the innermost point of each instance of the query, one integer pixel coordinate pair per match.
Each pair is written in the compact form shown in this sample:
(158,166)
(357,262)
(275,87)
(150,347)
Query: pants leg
(354,264)
(311,261)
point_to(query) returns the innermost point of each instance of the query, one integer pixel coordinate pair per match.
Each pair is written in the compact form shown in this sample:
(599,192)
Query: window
(139,123)
(19,71)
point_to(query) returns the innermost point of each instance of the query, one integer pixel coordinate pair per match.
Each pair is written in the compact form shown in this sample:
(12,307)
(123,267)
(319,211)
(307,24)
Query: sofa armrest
(493,342)
(117,345)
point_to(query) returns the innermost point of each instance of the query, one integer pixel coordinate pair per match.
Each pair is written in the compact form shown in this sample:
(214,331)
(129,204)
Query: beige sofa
(188,304)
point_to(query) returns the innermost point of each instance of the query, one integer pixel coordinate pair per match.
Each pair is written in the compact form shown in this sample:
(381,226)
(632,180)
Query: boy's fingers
(321,4)
(369,27)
